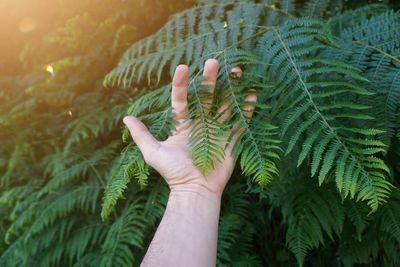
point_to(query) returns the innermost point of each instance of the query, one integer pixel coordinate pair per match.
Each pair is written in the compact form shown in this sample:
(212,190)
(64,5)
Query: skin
(188,232)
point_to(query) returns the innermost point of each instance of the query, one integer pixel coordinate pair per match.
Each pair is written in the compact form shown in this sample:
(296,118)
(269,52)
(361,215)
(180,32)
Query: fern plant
(318,165)
(319,100)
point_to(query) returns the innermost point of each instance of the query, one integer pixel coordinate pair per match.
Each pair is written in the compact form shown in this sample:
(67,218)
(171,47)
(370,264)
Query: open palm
(172,157)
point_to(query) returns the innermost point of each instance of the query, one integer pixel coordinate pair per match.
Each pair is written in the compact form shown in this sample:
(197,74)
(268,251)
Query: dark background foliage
(60,132)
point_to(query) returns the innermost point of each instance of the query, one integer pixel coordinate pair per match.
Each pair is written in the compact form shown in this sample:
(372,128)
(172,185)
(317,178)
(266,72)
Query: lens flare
(50,70)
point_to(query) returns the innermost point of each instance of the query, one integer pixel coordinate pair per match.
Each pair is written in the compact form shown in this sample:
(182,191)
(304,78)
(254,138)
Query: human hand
(172,157)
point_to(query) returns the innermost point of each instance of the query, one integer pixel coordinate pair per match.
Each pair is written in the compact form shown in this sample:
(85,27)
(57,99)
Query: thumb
(141,135)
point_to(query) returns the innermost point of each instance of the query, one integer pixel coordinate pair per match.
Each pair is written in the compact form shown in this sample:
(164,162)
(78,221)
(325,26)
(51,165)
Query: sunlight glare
(50,70)
(27,25)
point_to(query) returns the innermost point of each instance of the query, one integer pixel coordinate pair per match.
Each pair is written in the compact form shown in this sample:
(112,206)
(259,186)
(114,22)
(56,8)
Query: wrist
(195,193)
(187,234)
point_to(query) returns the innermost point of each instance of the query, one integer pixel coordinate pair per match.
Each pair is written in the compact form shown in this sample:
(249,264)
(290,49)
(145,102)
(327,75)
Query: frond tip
(130,164)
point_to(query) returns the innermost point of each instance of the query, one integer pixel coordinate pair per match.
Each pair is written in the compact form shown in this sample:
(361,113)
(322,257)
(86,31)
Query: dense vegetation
(318,166)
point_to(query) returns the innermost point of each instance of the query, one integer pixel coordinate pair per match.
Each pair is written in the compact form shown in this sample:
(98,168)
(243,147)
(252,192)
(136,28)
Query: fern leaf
(372,45)
(129,164)
(292,70)
(207,37)
(126,232)
(353,17)
(257,143)
(315,8)
(309,215)
(207,133)
(357,212)
(388,217)
(83,197)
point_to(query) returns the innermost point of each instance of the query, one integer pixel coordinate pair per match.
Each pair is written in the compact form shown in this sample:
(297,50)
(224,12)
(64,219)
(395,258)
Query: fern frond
(17,194)
(388,217)
(310,214)
(208,135)
(161,123)
(257,144)
(294,63)
(68,166)
(357,214)
(380,31)
(380,237)
(288,6)
(126,232)
(14,255)
(373,46)
(19,153)
(259,148)
(156,201)
(152,100)
(129,164)
(353,17)
(22,215)
(82,240)
(89,260)
(191,36)
(82,198)
(354,252)
(390,248)
(315,8)
(236,230)
(66,241)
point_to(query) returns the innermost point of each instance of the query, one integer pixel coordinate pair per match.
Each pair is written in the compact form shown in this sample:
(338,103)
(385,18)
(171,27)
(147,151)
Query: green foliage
(315,8)
(309,217)
(294,61)
(318,173)
(126,231)
(63,133)
(373,47)
(129,164)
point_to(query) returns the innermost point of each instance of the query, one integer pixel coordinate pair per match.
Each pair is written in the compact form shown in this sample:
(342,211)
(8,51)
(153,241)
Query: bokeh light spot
(50,70)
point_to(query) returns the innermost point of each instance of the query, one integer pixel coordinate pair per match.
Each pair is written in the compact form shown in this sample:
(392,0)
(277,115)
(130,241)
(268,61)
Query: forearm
(188,232)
